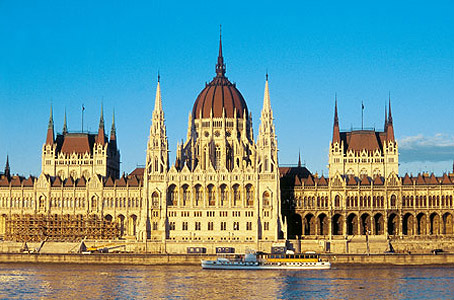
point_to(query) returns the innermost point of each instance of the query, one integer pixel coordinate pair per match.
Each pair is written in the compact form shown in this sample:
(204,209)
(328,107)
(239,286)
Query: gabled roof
(365,180)
(420,180)
(56,182)
(445,179)
(297,180)
(16,181)
(4,181)
(351,180)
(433,179)
(109,182)
(69,182)
(121,182)
(378,180)
(29,182)
(407,180)
(322,181)
(309,181)
(81,182)
(133,181)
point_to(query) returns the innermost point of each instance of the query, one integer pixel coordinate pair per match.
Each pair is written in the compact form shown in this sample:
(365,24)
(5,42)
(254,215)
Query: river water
(55,281)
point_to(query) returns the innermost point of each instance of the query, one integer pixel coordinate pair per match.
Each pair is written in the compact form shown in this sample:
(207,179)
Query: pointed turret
(220,66)
(158,100)
(50,129)
(386,119)
(7,169)
(101,139)
(157,150)
(336,131)
(390,128)
(113,130)
(266,97)
(65,126)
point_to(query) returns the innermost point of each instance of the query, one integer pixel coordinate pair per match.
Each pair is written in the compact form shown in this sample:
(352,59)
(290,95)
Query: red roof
(358,140)
(79,143)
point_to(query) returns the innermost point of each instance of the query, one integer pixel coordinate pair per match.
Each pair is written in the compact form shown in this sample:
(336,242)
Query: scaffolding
(59,228)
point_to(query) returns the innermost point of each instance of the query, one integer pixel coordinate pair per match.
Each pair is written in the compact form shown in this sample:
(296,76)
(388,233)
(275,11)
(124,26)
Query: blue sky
(80,52)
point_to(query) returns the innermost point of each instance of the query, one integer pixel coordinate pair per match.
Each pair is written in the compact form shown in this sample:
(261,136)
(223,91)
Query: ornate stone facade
(223,186)
(364,194)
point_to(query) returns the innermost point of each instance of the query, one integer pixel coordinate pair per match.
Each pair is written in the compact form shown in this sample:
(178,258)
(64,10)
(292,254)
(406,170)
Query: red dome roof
(218,95)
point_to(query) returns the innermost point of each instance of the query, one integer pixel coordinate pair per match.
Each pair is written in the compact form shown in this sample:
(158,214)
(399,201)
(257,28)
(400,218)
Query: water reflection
(40,281)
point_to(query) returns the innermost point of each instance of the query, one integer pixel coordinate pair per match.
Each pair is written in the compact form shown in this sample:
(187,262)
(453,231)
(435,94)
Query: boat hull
(206,264)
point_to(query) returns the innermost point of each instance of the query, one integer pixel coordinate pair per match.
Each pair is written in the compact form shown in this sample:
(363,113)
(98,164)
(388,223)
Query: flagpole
(83,109)
(362,115)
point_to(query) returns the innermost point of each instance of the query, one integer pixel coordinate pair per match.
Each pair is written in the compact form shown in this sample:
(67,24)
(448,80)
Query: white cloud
(420,148)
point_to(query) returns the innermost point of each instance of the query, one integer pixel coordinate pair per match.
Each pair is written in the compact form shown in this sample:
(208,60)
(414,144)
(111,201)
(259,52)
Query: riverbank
(194,259)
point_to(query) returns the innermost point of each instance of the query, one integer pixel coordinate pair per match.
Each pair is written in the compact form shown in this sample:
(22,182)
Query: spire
(65,126)
(386,118)
(390,127)
(113,131)
(336,132)
(158,100)
(7,169)
(390,118)
(101,132)
(266,97)
(220,66)
(50,129)
(299,159)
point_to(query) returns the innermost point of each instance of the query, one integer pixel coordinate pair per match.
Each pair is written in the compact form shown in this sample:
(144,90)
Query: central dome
(218,95)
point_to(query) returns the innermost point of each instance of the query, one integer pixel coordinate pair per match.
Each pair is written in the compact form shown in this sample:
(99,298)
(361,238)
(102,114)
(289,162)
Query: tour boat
(253,261)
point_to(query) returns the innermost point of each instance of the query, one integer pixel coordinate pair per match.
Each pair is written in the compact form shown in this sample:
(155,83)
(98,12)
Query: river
(59,281)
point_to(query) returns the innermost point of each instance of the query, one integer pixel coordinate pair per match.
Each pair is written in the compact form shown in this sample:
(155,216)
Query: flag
(362,105)
(83,107)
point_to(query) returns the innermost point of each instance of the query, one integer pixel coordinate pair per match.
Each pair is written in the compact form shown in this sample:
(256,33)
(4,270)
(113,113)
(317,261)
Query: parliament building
(225,187)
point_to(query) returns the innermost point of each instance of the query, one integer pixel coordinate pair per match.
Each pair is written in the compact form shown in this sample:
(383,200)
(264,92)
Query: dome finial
(220,66)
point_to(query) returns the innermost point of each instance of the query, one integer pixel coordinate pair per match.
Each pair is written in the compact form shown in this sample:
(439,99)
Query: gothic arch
(421,224)
(337,224)
(249,193)
(434,227)
(408,224)
(172,195)
(309,224)
(132,225)
(155,199)
(266,197)
(211,195)
(352,224)
(322,222)
(185,195)
(393,224)
(379,224)
(365,224)
(447,224)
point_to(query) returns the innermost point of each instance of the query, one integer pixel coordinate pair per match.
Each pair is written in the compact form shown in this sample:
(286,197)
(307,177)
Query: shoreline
(195,259)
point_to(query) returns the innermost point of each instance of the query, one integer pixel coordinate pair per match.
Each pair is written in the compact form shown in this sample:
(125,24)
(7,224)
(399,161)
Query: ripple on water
(40,281)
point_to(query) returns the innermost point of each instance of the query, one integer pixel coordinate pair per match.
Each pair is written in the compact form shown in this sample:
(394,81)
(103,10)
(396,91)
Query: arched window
(155,199)
(211,195)
(236,195)
(185,195)
(172,195)
(266,199)
(249,195)
(337,201)
(393,201)
(224,198)
(198,195)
